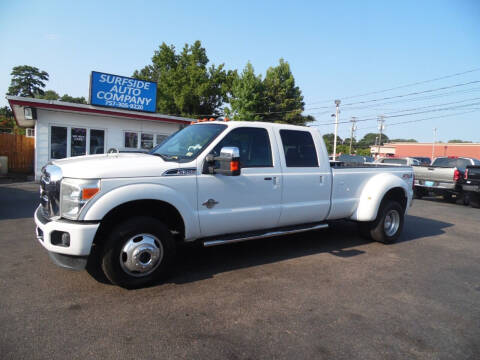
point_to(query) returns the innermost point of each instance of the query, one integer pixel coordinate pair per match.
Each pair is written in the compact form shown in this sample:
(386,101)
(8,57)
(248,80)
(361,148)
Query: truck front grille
(50,190)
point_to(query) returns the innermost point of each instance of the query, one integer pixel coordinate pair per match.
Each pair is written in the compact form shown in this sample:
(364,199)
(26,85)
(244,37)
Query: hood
(114,166)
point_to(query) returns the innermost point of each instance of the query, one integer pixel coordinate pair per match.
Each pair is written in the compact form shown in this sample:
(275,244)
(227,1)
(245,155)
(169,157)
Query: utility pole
(354,127)
(337,111)
(381,127)
(434,140)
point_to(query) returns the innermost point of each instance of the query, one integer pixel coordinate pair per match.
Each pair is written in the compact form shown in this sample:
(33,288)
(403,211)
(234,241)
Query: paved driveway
(320,295)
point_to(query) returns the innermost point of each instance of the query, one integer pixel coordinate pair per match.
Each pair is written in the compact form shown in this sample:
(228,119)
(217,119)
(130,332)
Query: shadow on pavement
(18,201)
(197,263)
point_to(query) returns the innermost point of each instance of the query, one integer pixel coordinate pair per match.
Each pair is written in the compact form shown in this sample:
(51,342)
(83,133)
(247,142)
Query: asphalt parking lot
(319,295)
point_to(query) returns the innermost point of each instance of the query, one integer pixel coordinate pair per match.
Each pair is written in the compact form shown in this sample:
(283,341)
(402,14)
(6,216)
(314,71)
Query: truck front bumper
(68,242)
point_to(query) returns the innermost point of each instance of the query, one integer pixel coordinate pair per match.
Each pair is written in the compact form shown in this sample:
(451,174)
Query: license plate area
(429,183)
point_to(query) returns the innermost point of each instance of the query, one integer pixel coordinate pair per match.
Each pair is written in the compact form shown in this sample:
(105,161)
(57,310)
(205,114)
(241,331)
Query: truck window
(254,146)
(298,148)
(395,161)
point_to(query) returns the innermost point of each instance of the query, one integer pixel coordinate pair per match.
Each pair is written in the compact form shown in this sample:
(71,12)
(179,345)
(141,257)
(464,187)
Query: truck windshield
(187,144)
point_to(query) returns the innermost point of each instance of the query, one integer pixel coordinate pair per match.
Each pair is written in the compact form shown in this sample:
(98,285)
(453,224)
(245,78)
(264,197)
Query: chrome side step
(271,233)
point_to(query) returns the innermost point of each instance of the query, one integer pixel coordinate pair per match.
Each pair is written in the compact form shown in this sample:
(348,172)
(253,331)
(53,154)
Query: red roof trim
(94,111)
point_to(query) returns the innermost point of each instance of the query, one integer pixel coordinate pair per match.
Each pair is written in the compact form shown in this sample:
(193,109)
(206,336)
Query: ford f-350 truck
(214,183)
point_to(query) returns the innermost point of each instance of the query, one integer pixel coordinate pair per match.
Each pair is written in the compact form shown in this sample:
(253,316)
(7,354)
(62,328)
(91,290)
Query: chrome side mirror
(228,163)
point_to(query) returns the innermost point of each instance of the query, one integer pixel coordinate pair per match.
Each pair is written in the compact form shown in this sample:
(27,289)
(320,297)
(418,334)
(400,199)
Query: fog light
(60,238)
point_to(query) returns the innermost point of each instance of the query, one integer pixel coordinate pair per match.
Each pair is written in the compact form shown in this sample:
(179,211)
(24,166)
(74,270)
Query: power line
(400,115)
(402,86)
(423,119)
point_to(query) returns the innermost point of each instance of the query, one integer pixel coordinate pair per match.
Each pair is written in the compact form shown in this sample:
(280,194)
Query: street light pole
(337,111)
(434,140)
(381,120)
(354,127)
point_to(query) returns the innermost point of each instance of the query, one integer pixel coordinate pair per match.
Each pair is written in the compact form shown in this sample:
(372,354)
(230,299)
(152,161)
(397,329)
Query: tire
(388,225)
(418,193)
(138,252)
(475,200)
(449,197)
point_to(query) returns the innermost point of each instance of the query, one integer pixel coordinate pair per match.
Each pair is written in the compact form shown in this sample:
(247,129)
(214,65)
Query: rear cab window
(298,148)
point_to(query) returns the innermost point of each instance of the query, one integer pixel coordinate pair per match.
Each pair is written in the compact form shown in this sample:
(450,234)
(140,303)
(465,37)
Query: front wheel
(138,252)
(388,225)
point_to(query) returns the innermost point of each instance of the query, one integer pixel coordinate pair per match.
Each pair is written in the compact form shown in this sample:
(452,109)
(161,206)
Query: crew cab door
(250,201)
(307,177)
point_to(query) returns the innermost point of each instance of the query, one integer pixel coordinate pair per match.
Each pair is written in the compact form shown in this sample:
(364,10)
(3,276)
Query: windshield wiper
(166,157)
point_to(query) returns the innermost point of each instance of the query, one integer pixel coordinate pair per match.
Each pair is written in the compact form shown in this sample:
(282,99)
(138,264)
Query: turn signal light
(89,193)
(234,165)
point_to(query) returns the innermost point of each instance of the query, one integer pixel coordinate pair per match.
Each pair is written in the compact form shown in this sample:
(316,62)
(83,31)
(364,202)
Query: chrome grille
(50,190)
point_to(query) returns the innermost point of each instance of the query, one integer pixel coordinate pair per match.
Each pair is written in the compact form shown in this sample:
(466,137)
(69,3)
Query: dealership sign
(122,92)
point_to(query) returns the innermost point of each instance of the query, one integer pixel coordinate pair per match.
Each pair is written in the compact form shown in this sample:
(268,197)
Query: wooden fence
(20,151)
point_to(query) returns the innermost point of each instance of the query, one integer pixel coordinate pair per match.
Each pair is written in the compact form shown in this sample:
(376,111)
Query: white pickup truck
(212,182)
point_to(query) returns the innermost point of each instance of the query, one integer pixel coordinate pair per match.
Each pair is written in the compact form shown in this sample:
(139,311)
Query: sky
(336,50)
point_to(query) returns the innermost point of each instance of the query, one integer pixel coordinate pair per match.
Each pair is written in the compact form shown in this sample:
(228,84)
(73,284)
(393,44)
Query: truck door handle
(267,178)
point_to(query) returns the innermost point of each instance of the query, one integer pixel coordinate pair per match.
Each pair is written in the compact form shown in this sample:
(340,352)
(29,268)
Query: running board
(261,235)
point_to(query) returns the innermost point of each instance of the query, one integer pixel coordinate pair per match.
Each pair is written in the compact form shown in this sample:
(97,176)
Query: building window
(160,138)
(97,142)
(146,141)
(30,132)
(131,140)
(58,142)
(78,142)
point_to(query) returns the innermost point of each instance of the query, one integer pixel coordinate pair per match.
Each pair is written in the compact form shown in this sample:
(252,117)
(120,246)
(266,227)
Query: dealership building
(121,117)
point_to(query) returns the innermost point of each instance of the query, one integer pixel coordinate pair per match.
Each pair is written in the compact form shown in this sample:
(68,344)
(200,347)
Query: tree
(27,81)
(48,95)
(329,140)
(370,139)
(402,140)
(284,100)
(185,84)
(7,121)
(458,141)
(247,99)
(53,95)
(78,100)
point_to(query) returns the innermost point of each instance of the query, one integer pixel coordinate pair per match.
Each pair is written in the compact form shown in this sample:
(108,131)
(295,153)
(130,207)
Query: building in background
(68,129)
(427,149)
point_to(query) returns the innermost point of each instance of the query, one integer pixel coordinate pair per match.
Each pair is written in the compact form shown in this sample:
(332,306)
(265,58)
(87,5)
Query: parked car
(214,183)
(423,160)
(355,159)
(403,161)
(471,185)
(443,177)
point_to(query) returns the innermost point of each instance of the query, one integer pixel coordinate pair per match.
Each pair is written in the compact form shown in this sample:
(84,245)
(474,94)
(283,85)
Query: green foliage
(7,121)
(247,96)
(27,81)
(329,140)
(186,85)
(369,140)
(402,140)
(363,152)
(458,141)
(48,95)
(71,99)
(53,95)
(284,100)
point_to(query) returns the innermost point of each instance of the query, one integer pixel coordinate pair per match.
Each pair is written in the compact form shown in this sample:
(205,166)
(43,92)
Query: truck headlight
(74,194)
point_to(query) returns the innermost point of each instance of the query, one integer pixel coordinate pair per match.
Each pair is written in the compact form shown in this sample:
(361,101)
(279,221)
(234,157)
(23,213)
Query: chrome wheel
(391,222)
(141,255)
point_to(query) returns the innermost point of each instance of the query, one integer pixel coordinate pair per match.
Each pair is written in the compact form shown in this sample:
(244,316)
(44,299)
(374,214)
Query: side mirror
(228,163)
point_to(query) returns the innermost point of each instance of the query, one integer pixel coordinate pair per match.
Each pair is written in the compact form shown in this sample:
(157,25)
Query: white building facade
(66,129)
